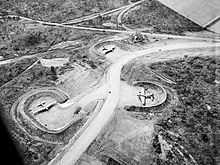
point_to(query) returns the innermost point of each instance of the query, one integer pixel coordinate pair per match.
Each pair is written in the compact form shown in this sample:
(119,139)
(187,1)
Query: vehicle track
(74,150)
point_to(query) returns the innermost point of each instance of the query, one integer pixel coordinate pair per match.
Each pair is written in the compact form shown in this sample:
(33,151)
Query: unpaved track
(20,74)
(122,31)
(120,16)
(85,18)
(128,31)
(74,150)
(39,54)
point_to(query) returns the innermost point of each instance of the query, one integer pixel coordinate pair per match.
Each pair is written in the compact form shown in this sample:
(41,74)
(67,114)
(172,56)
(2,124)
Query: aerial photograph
(110,82)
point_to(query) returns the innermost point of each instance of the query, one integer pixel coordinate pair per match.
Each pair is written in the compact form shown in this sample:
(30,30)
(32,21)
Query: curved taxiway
(74,150)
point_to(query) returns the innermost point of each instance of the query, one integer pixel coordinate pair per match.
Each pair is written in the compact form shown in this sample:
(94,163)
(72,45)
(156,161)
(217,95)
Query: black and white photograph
(110,82)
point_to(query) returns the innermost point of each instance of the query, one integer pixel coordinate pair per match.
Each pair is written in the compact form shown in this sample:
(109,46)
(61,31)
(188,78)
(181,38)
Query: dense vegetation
(58,10)
(38,75)
(19,39)
(197,117)
(159,19)
(8,72)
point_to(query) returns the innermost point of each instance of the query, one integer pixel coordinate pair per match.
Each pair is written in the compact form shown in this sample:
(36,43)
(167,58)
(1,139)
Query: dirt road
(74,151)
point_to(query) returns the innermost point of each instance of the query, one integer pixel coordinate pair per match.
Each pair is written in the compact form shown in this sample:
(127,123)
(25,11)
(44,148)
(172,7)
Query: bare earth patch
(54,62)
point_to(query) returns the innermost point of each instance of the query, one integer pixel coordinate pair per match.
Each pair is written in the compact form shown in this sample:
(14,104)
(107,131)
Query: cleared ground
(57,117)
(129,95)
(54,62)
(78,80)
(125,139)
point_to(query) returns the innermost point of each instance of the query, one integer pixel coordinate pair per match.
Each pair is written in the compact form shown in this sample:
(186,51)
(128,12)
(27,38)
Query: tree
(98,20)
(137,37)
(54,73)
(33,39)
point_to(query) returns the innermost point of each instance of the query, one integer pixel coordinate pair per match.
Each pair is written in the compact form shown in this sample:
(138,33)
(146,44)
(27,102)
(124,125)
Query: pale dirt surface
(77,69)
(58,117)
(105,48)
(89,107)
(115,55)
(164,56)
(203,34)
(127,128)
(75,150)
(40,103)
(78,80)
(55,62)
(31,26)
(61,115)
(130,133)
(109,24)
(129,96)
(87,96)
(131,137)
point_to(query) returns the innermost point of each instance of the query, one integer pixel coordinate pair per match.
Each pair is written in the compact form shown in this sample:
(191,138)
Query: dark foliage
(58,10)
(112,162)
(8,72)
(54,73)
(33,39)
(198,112)
(156,145)
(160,19)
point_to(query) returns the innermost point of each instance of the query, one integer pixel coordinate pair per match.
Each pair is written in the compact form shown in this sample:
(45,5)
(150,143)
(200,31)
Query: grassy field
(158,19)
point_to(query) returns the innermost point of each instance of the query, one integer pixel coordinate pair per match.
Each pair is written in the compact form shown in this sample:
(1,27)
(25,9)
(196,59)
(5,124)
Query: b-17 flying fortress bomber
(110,82)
